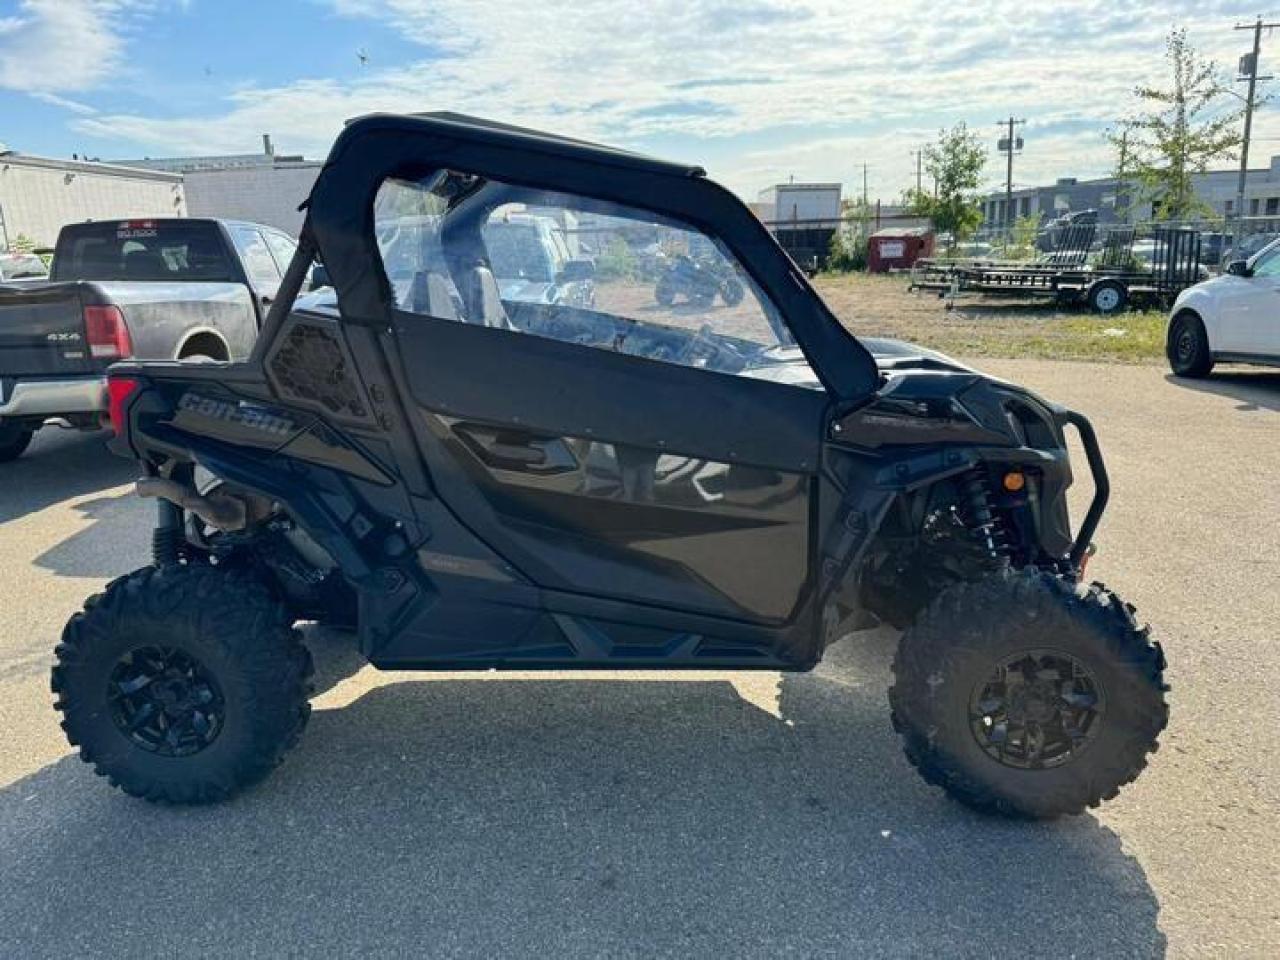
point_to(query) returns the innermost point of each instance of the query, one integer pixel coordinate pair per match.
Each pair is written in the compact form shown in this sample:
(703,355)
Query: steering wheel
(715,354)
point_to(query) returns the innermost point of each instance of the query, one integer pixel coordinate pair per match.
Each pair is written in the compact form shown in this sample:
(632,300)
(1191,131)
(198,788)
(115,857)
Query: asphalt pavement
(689,815)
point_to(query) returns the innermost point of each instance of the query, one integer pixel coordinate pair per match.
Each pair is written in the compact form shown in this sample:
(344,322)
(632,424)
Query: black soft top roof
(477,129)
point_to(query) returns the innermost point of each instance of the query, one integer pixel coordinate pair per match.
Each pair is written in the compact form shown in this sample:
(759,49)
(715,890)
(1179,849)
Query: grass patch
(880,305)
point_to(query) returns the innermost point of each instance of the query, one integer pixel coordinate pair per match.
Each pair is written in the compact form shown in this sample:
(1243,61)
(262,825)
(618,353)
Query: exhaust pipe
(220,510)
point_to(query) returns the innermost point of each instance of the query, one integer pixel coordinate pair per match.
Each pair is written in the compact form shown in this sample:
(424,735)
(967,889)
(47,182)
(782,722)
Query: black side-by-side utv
(471,474)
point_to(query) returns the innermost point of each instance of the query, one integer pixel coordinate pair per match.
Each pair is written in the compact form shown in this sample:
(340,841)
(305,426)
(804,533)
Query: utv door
(643,452)
(633,451)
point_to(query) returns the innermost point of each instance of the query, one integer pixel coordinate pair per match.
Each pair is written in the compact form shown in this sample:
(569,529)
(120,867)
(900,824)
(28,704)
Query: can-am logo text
(257,418)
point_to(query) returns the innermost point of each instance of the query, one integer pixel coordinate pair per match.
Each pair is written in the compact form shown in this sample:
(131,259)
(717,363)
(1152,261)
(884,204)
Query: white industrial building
(260,187)
(267,194)
(800,204)
(38,195)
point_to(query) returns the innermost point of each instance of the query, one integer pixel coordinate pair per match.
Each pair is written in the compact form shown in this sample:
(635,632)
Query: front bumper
(52,398)
(1101,483)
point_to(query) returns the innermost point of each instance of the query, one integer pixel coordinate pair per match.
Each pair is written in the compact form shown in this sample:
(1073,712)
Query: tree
(955,163)
(22,244)
(1022,239)
(1178,132)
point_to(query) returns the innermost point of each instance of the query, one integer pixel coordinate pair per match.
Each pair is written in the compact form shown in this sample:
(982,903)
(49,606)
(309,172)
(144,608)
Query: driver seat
(481,299)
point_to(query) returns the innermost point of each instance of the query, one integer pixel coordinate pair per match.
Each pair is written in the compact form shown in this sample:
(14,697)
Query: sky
(756,91)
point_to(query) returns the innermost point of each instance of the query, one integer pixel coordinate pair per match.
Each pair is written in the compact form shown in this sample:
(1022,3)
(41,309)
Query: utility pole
(1009,143)
(864,187)
(1249,71)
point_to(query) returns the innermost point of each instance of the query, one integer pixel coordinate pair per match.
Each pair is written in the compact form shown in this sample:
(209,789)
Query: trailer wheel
(1108,296)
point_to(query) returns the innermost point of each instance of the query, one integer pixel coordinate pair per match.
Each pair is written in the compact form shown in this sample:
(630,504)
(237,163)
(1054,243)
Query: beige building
(38,195)
(267,194)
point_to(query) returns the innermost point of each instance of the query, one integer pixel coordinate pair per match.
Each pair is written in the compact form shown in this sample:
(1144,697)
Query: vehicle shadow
(544,817)
(59,465)
(1256,390)
(117,539)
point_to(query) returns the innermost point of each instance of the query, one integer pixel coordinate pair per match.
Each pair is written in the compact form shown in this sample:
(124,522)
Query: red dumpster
(897,248)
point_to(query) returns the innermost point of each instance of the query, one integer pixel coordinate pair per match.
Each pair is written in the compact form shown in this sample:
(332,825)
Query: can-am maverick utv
(472,480)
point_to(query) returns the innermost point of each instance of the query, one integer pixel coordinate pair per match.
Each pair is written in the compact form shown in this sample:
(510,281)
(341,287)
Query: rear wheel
(14,440)
(182,684)
(1188,347)
(1024,695)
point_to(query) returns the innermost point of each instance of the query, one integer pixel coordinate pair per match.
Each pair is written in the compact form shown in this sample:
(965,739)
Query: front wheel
(14,440)
(1188,347)
(182,684)
(1026,695)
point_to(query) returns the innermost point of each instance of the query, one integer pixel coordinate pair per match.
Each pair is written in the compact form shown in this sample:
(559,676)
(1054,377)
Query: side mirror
(1239,268)
(319,277)
(576,270)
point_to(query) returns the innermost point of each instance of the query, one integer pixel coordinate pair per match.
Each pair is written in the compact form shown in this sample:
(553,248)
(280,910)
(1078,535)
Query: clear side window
(282,249)
(258,263)
(1268,265)
(458,247)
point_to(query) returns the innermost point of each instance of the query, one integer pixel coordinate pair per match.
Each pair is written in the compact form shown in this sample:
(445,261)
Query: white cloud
(833,84)
(64,45)
(65,103)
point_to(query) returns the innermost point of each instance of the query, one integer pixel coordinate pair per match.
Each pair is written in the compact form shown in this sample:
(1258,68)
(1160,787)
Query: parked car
(1150,255)
(22,266)
(168,289)
(1249,246)
(1233,318)
(620,487)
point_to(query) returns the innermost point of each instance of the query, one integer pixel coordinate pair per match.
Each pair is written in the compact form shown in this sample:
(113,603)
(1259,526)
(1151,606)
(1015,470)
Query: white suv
(1233,318)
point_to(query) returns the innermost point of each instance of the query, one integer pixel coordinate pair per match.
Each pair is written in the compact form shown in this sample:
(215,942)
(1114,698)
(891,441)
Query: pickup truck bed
(147,289)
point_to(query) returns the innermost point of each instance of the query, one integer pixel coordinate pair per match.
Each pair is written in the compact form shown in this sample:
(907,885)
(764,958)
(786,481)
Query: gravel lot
(715,815)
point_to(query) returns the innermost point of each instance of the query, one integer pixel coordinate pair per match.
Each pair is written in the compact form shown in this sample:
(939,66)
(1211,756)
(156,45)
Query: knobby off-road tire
(14,441)
(942,691)
(215,643)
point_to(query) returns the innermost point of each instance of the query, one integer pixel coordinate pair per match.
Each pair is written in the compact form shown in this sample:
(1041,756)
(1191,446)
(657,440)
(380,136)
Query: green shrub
(617,262)
(846,253)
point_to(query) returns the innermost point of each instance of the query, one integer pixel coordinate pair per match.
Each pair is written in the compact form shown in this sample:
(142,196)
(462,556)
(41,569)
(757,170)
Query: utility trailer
(1116,279)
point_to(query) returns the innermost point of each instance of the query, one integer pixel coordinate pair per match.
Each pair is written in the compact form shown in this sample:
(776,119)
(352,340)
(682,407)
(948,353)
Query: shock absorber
(168,537)
(975,489)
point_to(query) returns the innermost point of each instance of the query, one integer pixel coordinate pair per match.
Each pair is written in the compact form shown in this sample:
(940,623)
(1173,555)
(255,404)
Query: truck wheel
(14,440)
(182,684)
(1108,297)
(1188,347)
(1025,695)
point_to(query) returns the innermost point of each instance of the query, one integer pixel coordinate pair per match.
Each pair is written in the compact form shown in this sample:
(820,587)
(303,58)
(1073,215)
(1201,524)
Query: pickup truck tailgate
(42,331)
